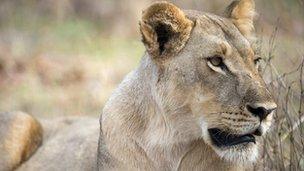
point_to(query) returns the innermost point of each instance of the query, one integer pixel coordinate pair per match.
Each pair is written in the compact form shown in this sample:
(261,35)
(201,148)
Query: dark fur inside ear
(165,29)
(163,33)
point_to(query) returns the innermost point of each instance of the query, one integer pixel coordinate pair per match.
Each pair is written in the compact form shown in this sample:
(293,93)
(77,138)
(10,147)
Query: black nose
(259,111)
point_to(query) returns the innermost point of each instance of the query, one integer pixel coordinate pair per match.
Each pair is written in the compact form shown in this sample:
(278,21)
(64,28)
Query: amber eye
(217,64)
(216,61)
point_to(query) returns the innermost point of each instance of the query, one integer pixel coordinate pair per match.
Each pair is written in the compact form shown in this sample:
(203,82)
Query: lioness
(196,102)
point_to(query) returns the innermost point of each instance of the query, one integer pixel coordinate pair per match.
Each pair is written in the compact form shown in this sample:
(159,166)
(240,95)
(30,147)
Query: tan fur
(242,13)
(70,143)
(164,14)
(23,137)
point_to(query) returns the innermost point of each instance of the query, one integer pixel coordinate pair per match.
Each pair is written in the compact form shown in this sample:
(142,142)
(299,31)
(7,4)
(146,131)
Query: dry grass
(284,145)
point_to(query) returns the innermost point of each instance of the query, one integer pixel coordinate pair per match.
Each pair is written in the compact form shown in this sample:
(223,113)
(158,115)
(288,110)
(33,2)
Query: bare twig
(294,127)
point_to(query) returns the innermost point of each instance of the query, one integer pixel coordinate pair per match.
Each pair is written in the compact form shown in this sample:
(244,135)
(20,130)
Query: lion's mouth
(224,139)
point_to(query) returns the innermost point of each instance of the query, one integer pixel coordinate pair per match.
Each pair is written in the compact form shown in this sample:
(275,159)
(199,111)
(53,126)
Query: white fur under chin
(245,156)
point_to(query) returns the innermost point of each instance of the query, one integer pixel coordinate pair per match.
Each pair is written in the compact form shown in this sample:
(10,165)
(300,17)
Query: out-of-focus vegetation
(64,57)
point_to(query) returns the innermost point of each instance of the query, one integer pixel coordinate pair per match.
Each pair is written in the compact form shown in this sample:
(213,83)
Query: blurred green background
(64,57)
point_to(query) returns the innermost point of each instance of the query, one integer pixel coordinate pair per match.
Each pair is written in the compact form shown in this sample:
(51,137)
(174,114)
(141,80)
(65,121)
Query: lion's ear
(242,13)
(165,29)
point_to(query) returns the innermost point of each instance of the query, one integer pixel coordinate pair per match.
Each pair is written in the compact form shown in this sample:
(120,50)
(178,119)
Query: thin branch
(294,127)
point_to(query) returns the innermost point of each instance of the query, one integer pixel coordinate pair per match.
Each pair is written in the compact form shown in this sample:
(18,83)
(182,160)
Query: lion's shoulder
(20,136)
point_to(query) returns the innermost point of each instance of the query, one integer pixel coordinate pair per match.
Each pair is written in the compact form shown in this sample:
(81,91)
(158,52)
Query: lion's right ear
(165,29)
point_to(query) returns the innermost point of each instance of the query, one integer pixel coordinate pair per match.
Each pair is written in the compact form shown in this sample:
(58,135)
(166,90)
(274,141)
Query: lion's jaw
(245,153)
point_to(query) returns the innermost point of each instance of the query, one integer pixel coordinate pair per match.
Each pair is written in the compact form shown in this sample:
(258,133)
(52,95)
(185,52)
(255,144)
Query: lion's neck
(201,157)
(168,120)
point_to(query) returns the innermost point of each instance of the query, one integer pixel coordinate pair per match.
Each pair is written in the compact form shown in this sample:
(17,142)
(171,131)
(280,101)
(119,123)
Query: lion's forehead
(220,32)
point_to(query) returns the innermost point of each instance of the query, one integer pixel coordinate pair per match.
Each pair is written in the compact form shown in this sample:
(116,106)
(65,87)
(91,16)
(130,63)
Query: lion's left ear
(242,13)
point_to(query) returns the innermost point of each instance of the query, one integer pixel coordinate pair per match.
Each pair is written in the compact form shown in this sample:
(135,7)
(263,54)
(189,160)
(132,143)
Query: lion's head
(208,63)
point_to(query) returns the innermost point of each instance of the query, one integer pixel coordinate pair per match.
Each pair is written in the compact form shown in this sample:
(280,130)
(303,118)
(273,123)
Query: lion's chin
(243,153)
(239,148)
